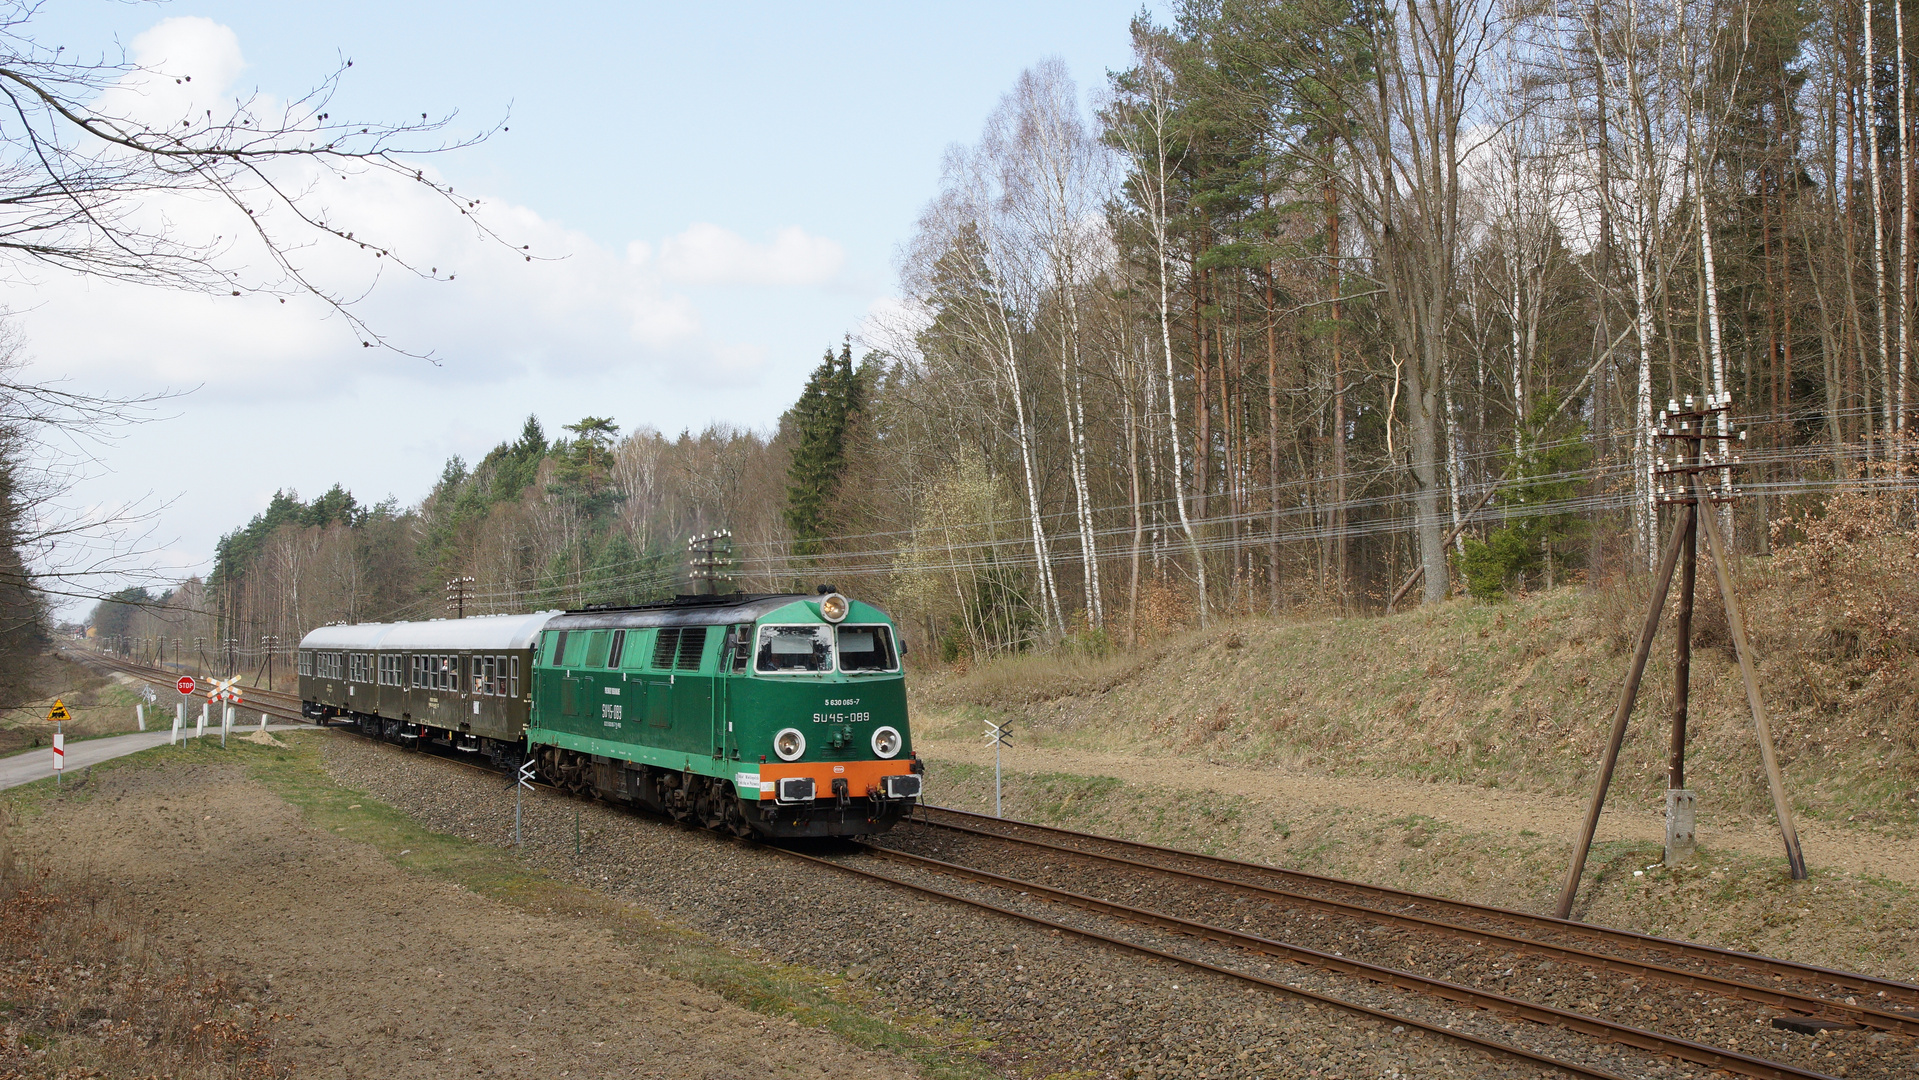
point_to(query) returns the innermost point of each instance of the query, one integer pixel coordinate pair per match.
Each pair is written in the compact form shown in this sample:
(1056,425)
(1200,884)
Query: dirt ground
(384,973)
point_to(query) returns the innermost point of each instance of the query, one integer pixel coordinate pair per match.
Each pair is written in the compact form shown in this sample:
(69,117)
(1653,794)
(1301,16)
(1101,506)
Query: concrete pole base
(1679,834)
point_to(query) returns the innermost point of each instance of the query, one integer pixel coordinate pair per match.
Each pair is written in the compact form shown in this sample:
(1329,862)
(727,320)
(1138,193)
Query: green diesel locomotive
(769,715)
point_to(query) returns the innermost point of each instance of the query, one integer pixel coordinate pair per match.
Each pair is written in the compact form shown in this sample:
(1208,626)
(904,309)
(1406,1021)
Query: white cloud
(894,325)
(185,66)
(707,254)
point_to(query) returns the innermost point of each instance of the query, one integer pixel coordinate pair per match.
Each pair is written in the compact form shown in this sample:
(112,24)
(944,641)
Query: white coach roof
(480,632)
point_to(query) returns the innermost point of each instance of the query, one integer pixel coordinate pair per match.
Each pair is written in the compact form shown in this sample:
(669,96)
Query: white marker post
(140,716)
(58,717)
(263,721)
(525,785)
(201,730)
(999,735)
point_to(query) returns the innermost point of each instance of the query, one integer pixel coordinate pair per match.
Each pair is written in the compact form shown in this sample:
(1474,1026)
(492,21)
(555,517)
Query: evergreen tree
(821,420)
(584,467)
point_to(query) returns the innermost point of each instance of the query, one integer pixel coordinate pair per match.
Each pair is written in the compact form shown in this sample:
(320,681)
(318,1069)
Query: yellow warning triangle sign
(58,714)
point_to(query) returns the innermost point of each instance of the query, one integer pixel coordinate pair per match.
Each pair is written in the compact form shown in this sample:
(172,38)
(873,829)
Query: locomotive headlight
(834,607)
(886,742)
(789,744)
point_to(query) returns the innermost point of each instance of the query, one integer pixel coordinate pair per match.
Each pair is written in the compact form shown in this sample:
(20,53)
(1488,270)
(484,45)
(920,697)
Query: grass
(940,1048)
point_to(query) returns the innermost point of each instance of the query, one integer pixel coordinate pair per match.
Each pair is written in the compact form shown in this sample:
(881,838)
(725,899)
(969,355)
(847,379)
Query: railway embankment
(1451,750)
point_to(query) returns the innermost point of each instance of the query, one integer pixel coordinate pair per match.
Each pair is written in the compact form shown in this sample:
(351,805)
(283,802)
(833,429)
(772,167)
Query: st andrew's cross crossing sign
(226,690)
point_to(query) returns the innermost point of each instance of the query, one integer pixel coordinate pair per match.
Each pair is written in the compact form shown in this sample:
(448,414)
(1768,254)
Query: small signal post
(58,717)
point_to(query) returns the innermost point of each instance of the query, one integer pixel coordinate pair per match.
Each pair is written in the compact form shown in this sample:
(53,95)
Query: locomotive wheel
(736,819)
(713,801)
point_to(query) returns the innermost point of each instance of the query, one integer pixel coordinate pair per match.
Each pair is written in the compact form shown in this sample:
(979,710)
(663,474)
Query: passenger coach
(463,683)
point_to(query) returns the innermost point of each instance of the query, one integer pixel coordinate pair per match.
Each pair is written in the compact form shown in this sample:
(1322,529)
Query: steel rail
(1850,980)
(1626,1035)
(1467,1038)
(1808,1004)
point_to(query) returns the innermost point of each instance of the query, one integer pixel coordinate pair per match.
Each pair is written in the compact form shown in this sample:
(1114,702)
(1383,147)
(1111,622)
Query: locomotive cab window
(867,648)
(795,648)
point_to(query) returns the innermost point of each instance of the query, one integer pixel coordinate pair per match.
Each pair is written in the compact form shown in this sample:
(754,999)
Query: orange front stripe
(859,775)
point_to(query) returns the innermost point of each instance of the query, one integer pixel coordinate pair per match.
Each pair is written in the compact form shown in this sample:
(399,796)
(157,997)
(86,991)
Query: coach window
(515,687)
(867,648)
(306,662)
(795,648)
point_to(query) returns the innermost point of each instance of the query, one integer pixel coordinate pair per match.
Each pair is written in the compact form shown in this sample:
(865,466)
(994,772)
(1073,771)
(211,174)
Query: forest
(1310,302)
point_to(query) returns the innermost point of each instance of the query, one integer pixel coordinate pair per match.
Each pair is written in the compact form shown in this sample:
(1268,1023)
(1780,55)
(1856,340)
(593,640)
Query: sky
(714,192)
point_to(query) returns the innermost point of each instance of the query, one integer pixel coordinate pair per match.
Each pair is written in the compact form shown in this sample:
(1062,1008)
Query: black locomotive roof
(679,611)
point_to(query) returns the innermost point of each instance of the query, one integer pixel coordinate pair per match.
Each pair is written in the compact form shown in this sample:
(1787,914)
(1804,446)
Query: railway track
(275,703)
(1785,983)
(1222,915)
(1348,928)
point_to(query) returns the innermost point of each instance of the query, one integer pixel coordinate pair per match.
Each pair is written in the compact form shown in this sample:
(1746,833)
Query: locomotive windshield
(795,648)
(867,648)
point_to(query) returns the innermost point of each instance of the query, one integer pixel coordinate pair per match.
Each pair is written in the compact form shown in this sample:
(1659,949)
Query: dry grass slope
(1519,694)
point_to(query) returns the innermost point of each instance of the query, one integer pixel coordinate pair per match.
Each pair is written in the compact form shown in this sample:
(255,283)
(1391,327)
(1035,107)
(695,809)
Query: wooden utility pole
(1686,483)
(456,593)
(1679,800)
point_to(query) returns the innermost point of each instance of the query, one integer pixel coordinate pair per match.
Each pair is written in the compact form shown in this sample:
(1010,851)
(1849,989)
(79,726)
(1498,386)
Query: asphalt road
(37,764)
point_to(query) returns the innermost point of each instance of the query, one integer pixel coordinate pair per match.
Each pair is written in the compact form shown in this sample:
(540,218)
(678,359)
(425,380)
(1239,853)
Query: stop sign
(185,685)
